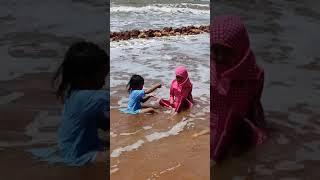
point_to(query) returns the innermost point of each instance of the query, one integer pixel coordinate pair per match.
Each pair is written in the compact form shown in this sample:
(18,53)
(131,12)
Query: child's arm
(171,95)
(146,98)
(154,87)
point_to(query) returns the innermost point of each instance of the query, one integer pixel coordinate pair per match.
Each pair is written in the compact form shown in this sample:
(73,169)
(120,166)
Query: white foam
(167,111)
(309,151)
(128,134)
(170,169)
(173,131)
(112,134)
(262,170)
(147,127)
(200,114)
(288,165)
(113,92)
(198,5)
(114,82)
(114,107)
(190,125)
(114,170)
(123,102)
(282,139)
(183,8)
(10,97)
(117,152)
(157,59)
(42,120)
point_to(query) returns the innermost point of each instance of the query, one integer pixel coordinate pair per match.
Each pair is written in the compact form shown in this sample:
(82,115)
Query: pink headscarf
(229,31)
(236,91)
(182,72)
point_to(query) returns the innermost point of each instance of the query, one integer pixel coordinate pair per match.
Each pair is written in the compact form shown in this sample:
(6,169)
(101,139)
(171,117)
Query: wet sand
(282,36)
(19,165)
(176,156)
(18,133)
(154,146)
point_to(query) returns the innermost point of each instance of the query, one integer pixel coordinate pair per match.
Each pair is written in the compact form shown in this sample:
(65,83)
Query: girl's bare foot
(203,132)
(148,110)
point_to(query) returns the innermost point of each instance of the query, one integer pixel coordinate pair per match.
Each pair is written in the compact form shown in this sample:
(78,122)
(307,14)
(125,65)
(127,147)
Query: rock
(135,33)
(183,30)
(202,28)
(178,30)
(150,33)
(166,31)
(157,34)
(142,35)
(196,31)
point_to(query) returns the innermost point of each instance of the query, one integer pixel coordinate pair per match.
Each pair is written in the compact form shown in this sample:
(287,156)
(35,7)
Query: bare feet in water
(203,132)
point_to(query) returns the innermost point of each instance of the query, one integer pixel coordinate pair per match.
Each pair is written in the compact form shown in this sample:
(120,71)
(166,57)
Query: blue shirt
(135,99)
(85,111)
(134,103)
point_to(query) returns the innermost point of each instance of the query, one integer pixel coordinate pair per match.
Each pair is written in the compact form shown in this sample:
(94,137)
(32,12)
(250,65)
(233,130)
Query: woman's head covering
(182,72)
(229,31)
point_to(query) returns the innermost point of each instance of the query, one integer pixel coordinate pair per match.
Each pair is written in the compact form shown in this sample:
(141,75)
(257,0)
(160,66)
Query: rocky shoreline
(167,31)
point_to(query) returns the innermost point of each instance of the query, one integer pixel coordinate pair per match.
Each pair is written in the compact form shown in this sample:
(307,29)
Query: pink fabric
(180,93)
(236,91)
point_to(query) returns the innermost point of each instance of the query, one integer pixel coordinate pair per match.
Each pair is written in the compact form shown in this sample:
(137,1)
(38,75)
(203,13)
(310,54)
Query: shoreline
(155,146)
(166,31)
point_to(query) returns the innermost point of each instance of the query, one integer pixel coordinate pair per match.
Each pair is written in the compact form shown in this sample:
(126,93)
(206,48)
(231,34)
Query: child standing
(80,79)
(138,96)
(180,91)
(236,113)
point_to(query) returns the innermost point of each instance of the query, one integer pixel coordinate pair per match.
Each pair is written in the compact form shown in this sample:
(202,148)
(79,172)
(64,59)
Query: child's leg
(101,157)
(165,103)
(148,106)
(148,110)
(203,132)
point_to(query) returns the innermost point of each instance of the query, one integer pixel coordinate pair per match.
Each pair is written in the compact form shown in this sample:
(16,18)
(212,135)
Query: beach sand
(171,154)
(18,133)
(33,39)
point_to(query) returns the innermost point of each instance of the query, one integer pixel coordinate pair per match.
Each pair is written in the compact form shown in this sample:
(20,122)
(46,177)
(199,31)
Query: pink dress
(180,93)
(236,113)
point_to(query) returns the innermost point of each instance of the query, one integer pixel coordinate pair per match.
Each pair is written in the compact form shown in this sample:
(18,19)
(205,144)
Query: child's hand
(171,101)
(158,85)
(153,96)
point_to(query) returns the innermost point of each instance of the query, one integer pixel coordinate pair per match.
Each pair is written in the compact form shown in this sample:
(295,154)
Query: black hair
(136,81)
(83,60)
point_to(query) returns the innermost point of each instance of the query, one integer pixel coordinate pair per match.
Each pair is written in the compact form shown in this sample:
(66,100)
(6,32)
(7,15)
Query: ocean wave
(136,145)
(185,8)
(175,130)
